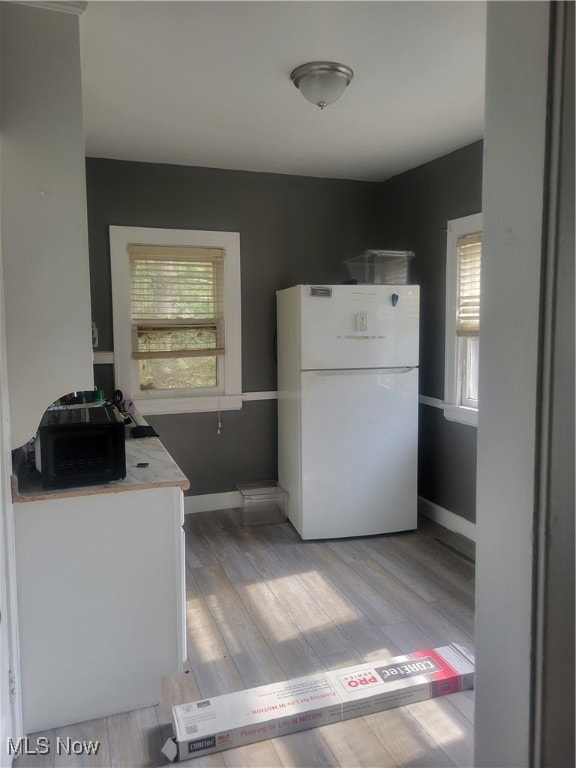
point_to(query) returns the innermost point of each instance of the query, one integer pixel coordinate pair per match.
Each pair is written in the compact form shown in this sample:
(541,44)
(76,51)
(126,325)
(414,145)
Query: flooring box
(244,717)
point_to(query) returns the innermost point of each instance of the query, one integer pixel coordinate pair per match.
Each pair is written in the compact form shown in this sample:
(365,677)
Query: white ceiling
(208,84)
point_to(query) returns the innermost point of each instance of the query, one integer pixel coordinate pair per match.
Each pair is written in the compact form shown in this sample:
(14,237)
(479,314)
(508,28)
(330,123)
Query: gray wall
(292,230)
(415,208)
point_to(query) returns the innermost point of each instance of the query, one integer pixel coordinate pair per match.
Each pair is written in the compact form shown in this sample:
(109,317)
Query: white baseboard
(210,502)
(446,519)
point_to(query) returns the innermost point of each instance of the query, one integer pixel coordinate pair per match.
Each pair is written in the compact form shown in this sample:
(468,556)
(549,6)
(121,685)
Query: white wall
(512,514)
(44,226)
(10,710)
(555,691)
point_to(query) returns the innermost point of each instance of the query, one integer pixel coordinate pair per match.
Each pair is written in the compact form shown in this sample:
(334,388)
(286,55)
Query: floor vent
(456,551)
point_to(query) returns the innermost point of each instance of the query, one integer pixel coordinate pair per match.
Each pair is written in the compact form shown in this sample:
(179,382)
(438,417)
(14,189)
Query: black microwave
(80,446)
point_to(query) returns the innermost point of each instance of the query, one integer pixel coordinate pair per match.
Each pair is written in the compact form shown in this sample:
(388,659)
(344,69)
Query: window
(177,314)
(176,305)
(463,259)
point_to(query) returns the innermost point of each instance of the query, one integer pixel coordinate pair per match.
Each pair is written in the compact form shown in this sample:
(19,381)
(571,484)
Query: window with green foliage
(177,312)
(176,303)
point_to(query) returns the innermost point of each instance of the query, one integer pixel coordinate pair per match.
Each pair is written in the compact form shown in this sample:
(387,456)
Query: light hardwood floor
(263,606)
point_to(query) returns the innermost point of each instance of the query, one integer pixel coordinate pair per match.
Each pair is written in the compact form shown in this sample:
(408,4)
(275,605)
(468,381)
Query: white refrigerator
(348,408)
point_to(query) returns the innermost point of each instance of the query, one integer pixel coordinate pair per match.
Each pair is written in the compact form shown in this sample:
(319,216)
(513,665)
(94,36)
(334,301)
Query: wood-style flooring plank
(306,749)
(346,549)
(215,760)
(428,529)
(414,608)
(356,745)
(252,655)
(451,553)
(406,742)
(228,522)
(447,727)
(351,582)
(197,612)
(176,689)
(406,637)
(276,535)
(310,617)
(464,702)
(443,568)
(288,644)
(38,757)
(81,745)
(214,668)
(136,739)
(263,754)
(411,571)
(231,557)
(336,596)
(457,612)
(210,660)
(340,660)
(85,745)
(198,552)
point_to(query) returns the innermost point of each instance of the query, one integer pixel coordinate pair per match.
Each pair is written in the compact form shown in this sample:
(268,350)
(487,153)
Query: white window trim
(124,369)
(461,413)
(452,410)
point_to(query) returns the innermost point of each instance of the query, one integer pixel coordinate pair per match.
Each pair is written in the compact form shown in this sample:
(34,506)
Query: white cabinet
(101,602)
(43,213)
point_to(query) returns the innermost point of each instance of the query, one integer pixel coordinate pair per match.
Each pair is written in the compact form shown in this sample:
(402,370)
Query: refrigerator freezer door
(359,453)
(359,326)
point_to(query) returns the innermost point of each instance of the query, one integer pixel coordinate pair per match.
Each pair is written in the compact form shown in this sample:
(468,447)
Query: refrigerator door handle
(348,371)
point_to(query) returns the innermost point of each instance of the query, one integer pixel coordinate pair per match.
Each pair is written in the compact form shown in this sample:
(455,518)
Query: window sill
(168,405)
(461,414)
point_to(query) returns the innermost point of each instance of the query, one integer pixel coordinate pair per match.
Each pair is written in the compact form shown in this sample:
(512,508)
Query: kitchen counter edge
(161,471)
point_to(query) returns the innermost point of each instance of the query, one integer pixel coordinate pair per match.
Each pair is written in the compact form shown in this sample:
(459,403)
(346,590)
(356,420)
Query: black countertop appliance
(79,446)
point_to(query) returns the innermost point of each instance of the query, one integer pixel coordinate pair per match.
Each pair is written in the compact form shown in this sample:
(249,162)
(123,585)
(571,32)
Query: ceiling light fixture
(321,82)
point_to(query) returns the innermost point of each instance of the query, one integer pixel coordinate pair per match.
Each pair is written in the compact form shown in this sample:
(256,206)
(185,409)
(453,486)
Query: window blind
(468,309)
(177,301)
